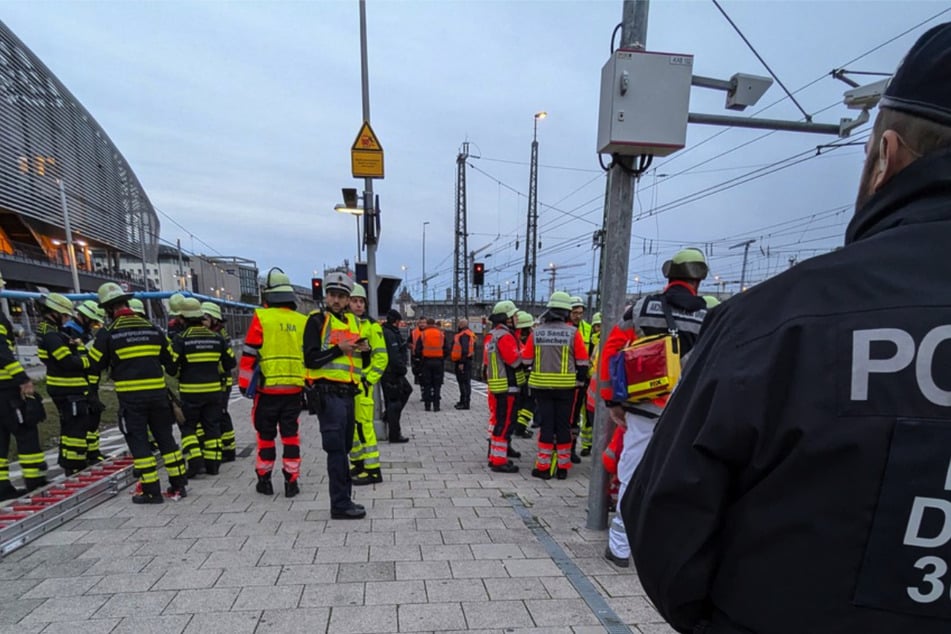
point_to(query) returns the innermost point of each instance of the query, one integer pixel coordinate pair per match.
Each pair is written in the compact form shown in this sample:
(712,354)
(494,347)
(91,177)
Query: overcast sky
(238,118)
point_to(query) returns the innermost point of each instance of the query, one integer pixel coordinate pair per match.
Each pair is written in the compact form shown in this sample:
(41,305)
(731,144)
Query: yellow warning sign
(366,155)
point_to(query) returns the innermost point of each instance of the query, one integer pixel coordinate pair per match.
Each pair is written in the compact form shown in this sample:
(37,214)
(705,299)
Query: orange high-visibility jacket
(458,354)
(434,343)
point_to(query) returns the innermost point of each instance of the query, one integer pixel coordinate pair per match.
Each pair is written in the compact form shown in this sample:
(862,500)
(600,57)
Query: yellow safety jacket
(342,369)
(373,363)
(281,355)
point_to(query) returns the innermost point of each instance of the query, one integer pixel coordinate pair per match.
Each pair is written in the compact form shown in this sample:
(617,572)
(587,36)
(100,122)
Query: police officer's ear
(893,157)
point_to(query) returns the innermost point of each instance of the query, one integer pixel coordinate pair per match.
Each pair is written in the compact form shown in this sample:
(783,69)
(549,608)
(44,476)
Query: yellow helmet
(711,301)
(175,304)
(505,307)
(277,288)
(111,293)
(92,311)
(56,303)
(687,264)
(137,306)
(358,291)
(559,299)
(524,319)
(596,319)
(191,308)
(212,310)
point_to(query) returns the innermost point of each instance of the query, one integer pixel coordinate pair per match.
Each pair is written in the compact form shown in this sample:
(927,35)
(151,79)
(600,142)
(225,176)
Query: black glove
(96,406)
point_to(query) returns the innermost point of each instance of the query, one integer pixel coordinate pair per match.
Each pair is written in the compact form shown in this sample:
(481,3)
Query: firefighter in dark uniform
(200,355)
(214,322)
(396,387)
(137,356)
(332,354)
(272,371)
(798,479)
(67,364)
(89,319)
(15,389)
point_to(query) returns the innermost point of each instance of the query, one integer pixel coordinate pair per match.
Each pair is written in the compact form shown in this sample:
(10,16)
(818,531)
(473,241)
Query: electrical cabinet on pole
(460,283)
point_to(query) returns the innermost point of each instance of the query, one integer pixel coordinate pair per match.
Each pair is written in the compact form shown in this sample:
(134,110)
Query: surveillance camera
(746,90)
(865,97)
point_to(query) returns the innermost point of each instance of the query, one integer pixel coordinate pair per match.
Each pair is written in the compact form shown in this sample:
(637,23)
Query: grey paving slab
(58,609)
(69,568)
(195,601)
(171,624)
(299,621)
(93,626)
(422,570)
(395,592)
(482,569)
(497,614)
(368,619)
(13,611)
(531,567)
(367,571)
(248,577)
(223,623)
(436,617)
(332,594)
(13,589)
(506,588)
(135,604)
(342,554)
(288,557)
(179,579)
(557,612)
(112,584)
(269,597)
(446,590)
(310,574)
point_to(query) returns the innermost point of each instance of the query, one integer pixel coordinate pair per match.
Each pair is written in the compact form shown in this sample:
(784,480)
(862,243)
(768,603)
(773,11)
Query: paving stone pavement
(443,549)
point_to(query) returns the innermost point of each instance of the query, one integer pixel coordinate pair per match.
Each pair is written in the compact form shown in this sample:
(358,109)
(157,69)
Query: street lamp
(425,281)
(637,280)
(356,212)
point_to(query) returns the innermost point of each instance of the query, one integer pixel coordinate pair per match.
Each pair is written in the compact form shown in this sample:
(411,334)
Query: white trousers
(638,434)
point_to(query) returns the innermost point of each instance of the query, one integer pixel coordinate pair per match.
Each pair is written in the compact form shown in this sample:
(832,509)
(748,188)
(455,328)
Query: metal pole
(181,266)
(746,251)
(369,215)
(70,248)
(145,270)
(618,218)
(425,279)
(531,229)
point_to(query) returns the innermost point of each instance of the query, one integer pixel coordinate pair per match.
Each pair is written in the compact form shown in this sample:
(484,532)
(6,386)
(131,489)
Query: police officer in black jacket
(396,387)
(798,481)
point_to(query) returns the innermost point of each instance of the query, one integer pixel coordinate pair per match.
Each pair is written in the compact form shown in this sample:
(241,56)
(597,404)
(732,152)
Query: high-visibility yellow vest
(343,369)
(554,367)
(378,357)
(281,357)
(497,372)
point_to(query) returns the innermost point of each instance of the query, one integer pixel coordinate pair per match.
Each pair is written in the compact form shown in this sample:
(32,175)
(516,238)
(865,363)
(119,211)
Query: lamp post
(425,280)
(356,212)
(70,248)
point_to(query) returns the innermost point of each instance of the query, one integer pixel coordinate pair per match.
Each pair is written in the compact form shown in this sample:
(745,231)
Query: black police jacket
(798,480)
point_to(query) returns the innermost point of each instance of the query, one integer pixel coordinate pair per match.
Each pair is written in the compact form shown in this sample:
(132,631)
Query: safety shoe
(561,474)
(137,489)
(508,467)
(355,512)
(195,468)
(614,559)
(544,474)
(10,492)
(435,407)
(585,451)
(523,433)
(368,477)
(357,468)
(147,498)
(575,458)
(512,453)
(94,458)
(173,494)
(291,488)
(399,439)
(428,407)
(461,406)
(212,467)
(264,485)
(228,455)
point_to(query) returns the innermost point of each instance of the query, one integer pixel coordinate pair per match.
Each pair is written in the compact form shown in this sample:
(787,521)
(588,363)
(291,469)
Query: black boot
(511,453)
(544,474)
(212,467)
(357,468)
(291,487)
(435,406)
(508,467)
(32,484)
(151,494)
(575,458)
(9,492)
(561,474)
(228,455)
(195,467)
(264,484)
(371,476)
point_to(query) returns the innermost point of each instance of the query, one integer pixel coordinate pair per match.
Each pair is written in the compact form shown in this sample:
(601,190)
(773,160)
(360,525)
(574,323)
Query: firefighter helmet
(596,319)
(524,319)
(358,291)
(175,304)
(111,293)
(212,310)
(576,301)
(56,303)
(277,288)
(191,308)
(711,301)
(505,307)
(137,306)
(559,299)
(687,264)
(339,282)
(91,311)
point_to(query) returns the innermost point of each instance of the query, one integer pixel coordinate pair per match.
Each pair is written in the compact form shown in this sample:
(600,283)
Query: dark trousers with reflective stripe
(464,377)
(336,419)
(432,380)
(553,411)
(147,412)
(28,443)
(206,410)
(229,444)
(73,425)
(273,413)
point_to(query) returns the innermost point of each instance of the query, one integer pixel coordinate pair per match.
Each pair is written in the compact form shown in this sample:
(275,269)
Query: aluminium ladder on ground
(35,514)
